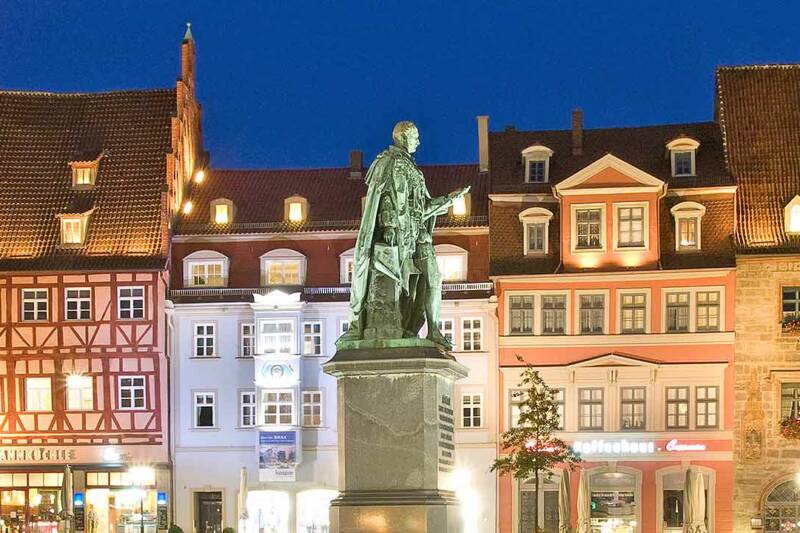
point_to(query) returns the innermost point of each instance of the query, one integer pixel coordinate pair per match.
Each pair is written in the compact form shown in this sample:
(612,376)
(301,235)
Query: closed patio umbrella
(694,502)
(66,498)
(563,503)
(584,524)
(243,495)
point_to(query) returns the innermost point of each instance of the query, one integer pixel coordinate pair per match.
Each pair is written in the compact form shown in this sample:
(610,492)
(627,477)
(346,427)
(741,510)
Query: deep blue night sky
(295,83)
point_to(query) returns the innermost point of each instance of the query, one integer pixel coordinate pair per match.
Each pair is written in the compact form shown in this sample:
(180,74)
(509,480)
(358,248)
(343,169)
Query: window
(131,302)
(791,216)
(790,400)
(791,303)
(677,407)
(537,171)
(592,314)
(71,230)
(461,206)
(452,262)
(205,268)
(222,213)
(631,226)
(447,327)
(295,209)
(247,409)
(558,399)
(554,313)
(277,337)
(590,408)
(278,407)
(515,407)
(295,212)
(34,304)
(204,410)
(131,392)
(207,274)
(38,395)
(344,326)
(78,304)
(588,229)
(283,267)
(535,222)
(633,408)
(471,410)
(521,315)
(83,176)
(471,334)
(687,225)
(346,267)
(312,408)
(682,156)
(708,311)
(536,160)
(247,340)
(80,393)
(677,312)
(204,340)
(633,313)
(312,338)
(707,404)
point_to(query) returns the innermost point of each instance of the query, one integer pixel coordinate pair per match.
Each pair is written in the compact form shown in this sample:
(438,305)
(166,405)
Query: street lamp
(141,477)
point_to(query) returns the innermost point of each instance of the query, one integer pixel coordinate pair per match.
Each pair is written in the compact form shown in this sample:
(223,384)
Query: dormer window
(73,229)
(84,173)
(295,209)
(688,216)
(205,268)
(221,211)
(461,206)
(535,227)
(682,152)
(791,217)
(536,159)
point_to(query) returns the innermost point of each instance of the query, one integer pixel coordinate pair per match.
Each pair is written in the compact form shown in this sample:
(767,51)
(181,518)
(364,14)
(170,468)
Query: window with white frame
(515,406)
(535,222)
(554,314)
(677,319)
(221,211)
(247,409)
(205,340)
(633,313)
(346,266)
(83,176)
(559,396)
(205,410)
(790,400)
(344,326)
(471,410)
(688,216)
(78,304)
(72,230)
(448,328)
(471,334)
(283,267)
(708,311)
(536,159)
(205,268)
(521,309)
(312,408)
(80,393)
(295,209)
(631,226)
(38,394)
(677,407)
(591,313)
(633,408)
(588,226)
(706,407)
(131,392)
(452,262)
(791,216)
(590,408)
(682,156)
(790,303)
(278,407)
(247,339)
(312,338)
(35,304)
(277,336)
(131,302)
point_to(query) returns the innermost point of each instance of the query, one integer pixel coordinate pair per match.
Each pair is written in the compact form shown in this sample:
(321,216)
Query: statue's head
(406,136)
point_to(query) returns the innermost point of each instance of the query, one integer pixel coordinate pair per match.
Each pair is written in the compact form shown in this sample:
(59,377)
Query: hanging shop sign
(274,372)
(277,455)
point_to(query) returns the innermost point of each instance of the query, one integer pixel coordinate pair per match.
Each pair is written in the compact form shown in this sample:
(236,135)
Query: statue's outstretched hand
(460,192)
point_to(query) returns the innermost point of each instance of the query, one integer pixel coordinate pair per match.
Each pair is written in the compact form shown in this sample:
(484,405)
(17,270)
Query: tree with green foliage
(531,449)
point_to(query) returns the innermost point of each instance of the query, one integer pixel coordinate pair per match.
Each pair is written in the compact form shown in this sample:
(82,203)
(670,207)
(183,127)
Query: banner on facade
(277,455)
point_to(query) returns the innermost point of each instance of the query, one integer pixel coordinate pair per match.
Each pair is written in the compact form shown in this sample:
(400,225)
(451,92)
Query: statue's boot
(435,335)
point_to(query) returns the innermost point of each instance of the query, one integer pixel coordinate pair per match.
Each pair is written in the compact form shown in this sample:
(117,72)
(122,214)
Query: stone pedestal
(395,438)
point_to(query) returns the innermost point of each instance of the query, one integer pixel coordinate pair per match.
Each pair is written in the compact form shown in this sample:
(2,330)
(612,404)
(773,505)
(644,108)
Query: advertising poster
(277,455)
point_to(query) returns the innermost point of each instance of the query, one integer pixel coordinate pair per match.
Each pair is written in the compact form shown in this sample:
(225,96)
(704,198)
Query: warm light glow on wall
(78,381)
(187,207)
(589,260)
(221,214)
(460,206)
(199,176)
(632,260)
(295,212)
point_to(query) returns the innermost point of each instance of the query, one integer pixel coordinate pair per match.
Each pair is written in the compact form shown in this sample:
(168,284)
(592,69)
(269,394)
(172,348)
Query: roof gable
(614,359)
(610,172)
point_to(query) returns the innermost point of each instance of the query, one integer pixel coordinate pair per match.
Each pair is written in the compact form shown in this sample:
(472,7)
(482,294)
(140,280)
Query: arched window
(782,508)
(535,226)
(536,159)
(346,266)
(452,262)
(670,483)
(547,503)
(205,268)
(222,211)
(283,267)
(791,217)
(295,209)
(682,156)
(688,216)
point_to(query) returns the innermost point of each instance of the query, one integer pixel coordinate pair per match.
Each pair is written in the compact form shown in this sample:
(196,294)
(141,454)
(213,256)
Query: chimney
(577,131)
(483,143)
(356,164)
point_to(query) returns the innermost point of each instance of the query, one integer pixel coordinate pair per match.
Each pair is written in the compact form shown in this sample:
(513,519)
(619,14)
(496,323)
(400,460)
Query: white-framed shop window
(277,336)
(205,339)
(247,409)
(283,267)
(452,262)
(205,268)
(312,408)
(277,407)
(536,227)
(312,337)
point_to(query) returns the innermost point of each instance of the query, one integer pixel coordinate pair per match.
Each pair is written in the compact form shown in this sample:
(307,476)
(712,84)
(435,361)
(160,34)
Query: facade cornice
(311,236)
(647,275)
(651,339)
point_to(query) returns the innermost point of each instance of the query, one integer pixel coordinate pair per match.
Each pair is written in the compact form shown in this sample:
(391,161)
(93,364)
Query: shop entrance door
(208,507)
(614,503)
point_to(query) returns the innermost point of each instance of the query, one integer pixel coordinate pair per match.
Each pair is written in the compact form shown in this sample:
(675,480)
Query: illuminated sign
(36,455)
(161,498)
(77,499)
(675,446)
(614,447)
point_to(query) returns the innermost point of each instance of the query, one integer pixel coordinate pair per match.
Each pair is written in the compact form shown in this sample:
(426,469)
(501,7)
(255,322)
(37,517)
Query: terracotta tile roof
(334,198)
(40,133)
(643,147)
(758,108)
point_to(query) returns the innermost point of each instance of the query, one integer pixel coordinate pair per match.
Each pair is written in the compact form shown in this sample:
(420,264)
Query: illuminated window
(706,407)
(452,262)
(205,268)
(554,314)
(312,408)
(71,230)
(536,160)
(633,405)
(34,304)
(633,313)
(131,302)
(312,338)
(471,334)
(346,266)
(247,340)
(277,336)
(296,212)
(131,392)
(78,304)
(592,314)
(535,223)
(790,400)
(460,206)
(631,226)
(207,274)
(205,410)
(688,216)
(791,215)
(247,409)
(283,267)
(205,340)
(295,209)
(221,211)
(682,152)
(84,174)
(278,407)
(471,410)
(590,408)
(588,229)
(677,407)
(80,393)
(708,311)
(38,394)
(521,308)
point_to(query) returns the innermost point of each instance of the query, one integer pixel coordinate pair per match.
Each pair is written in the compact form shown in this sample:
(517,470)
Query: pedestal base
(396,512)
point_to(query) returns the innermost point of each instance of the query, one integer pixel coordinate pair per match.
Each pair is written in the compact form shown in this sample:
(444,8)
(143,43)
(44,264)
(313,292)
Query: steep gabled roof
(758,108)
(40,134)
(334,198)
